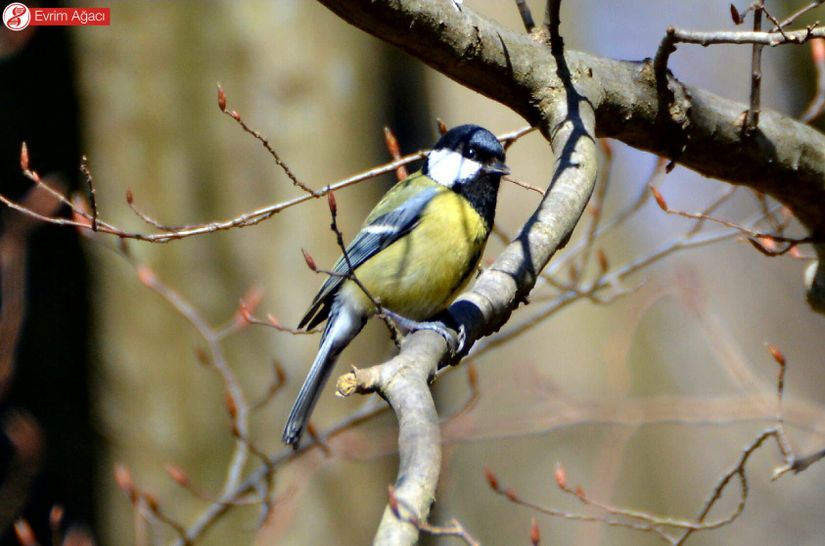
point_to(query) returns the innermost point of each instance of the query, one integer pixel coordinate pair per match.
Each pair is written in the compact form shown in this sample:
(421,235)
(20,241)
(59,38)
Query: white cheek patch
(449,168)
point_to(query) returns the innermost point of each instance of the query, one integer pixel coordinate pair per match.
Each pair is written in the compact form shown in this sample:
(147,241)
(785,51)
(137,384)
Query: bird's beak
(496,166)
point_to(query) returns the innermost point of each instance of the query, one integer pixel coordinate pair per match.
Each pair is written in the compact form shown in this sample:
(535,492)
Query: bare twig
(395,153)
(264,142)
(395,335)
(801,11)
(236,399)
(84,220)
(753,236)
(524,185)
(215,510)
(661,525)
(526,15)
(675,36)
(90,185)
(752,117)
(612,278)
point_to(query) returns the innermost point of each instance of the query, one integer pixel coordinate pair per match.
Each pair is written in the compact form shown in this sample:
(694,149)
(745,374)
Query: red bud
(24,157)
(472,376)
(561,476)
(235,115)
(202,356)
(607,148)
(56,516)
(280,374)
(123,479)
(221,99)
(151,501)
(146,276)
(177,474)
(511,494)
(818,50)
(604,265)
(310,262)
(24,533)
(768,243)
(333,206)
(244,312)
(535,534)
(777,355)
(492,481)
(392,143)
(659,199)
(231,406)
(442,127)
(735,15)
(129,197)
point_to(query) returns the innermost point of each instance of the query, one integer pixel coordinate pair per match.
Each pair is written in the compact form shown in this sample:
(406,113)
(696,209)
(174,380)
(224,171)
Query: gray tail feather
(342,326)
(308,396)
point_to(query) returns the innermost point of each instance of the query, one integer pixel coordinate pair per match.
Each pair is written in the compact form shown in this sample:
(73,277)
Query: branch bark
(572,97)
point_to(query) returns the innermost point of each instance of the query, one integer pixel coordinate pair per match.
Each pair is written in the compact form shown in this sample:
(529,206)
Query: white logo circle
(16,16)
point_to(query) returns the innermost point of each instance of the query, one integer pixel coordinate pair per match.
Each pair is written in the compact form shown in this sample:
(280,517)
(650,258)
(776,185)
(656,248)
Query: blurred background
(646,401)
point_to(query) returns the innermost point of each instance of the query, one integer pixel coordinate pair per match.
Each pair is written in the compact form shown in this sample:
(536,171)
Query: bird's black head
(469,160)
(466,154)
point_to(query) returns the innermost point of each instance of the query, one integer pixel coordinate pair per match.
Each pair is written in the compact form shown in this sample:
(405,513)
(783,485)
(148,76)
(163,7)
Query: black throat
(482,194)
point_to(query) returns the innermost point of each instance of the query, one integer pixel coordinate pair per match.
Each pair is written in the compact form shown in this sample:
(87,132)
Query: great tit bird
(416,251)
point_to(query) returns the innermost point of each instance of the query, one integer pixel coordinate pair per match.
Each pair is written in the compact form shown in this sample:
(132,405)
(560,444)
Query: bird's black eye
(471,153)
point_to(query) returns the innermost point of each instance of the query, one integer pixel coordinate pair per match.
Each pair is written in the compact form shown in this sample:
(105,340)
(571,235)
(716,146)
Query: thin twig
(239,407)
(265,142)
(793,17)
(90,185)
(612,278)
(244,220)
(395,335)
(752,234)
(752,117)
(674,36)
(526,15)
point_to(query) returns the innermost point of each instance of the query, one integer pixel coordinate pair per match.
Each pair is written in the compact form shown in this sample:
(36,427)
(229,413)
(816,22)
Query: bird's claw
(455,343)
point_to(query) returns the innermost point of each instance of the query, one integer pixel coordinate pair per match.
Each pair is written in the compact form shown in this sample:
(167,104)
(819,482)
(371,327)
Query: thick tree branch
(784,158)
(567,119)
(404,383)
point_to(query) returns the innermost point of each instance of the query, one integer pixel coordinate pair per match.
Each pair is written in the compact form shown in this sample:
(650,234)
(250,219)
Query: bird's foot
(455,343)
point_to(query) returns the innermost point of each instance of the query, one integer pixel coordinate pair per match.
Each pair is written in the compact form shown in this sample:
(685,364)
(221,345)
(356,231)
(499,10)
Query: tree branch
(566,117)
(784,158)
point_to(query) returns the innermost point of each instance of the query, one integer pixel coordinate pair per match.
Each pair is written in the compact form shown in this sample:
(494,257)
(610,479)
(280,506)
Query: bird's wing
(378,232)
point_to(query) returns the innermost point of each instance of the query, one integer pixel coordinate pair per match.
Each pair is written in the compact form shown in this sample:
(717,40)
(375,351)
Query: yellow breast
(421,273)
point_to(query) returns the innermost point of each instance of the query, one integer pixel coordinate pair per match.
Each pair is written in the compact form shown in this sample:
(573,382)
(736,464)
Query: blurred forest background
(646,401)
